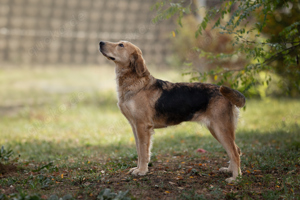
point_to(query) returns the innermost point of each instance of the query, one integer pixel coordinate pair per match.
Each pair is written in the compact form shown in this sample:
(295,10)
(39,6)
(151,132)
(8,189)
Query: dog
(149,103)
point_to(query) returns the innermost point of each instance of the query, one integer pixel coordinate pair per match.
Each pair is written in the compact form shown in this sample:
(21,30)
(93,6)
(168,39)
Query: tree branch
(279,54)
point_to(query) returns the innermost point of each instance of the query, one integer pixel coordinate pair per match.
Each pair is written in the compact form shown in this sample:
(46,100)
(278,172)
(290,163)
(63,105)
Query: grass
(73,140)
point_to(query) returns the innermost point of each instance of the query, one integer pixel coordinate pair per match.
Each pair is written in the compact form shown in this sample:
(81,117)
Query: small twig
(253,42)
(266,62)
(229,70)
(279,54)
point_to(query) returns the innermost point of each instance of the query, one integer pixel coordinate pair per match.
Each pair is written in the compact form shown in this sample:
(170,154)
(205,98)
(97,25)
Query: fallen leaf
(167,192)
(173,33)
(201,151)
(179,178)
(248,171)
(62,175)
(180,188)
(172,183)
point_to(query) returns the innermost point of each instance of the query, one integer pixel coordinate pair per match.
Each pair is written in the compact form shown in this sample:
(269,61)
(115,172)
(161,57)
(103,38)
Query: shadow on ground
(270,167)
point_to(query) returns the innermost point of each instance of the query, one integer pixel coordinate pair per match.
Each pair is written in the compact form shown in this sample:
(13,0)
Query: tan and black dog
(150,103)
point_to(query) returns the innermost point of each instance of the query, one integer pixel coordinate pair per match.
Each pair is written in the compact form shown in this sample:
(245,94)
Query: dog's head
(124,54)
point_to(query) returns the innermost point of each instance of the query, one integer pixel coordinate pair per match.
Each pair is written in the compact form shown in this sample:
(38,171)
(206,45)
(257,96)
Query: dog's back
(180,101)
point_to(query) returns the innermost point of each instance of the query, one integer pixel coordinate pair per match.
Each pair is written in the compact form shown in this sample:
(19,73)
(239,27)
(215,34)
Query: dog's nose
(101,43)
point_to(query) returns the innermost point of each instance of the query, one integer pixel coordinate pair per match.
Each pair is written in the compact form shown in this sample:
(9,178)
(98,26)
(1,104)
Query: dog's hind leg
(225,135)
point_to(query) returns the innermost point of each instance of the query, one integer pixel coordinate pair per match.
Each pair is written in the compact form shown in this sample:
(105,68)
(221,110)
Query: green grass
(72,139)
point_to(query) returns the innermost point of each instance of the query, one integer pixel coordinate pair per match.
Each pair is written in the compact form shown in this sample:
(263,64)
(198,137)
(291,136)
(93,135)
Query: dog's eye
(121,45)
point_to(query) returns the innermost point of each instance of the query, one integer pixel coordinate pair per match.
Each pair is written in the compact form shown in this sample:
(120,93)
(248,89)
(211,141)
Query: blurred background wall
(46,32)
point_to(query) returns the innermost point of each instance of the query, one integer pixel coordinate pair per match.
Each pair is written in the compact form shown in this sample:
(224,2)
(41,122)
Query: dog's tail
(233,96)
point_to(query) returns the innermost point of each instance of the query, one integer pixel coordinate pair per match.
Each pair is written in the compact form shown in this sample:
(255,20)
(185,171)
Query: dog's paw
(230,180)
(131,170)
(224,170)
(139,172)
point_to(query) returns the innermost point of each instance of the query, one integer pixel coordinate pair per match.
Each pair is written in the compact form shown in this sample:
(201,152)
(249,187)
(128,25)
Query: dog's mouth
(109,57)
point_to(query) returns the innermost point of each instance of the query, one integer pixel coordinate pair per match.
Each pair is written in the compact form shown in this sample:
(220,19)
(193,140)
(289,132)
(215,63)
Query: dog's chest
(124,95)
(128,108)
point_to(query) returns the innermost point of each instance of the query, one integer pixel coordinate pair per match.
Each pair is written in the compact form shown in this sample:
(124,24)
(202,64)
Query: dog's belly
(179,102)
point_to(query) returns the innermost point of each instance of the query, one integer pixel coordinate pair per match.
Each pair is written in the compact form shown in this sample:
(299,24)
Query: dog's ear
(138,64)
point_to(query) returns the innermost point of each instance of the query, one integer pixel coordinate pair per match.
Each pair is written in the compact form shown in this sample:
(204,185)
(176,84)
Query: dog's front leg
(136,144)
(143,137)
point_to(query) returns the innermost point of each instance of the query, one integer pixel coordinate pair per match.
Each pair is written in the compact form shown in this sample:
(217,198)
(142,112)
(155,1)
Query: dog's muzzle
(101,49)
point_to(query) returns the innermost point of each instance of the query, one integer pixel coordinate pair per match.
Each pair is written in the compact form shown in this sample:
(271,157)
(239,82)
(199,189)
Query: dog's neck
(128,81)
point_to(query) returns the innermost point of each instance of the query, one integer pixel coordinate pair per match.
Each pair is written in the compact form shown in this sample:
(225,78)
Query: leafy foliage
(25,196)
(107,194)
(5,154)
(21,196)
(246,22)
